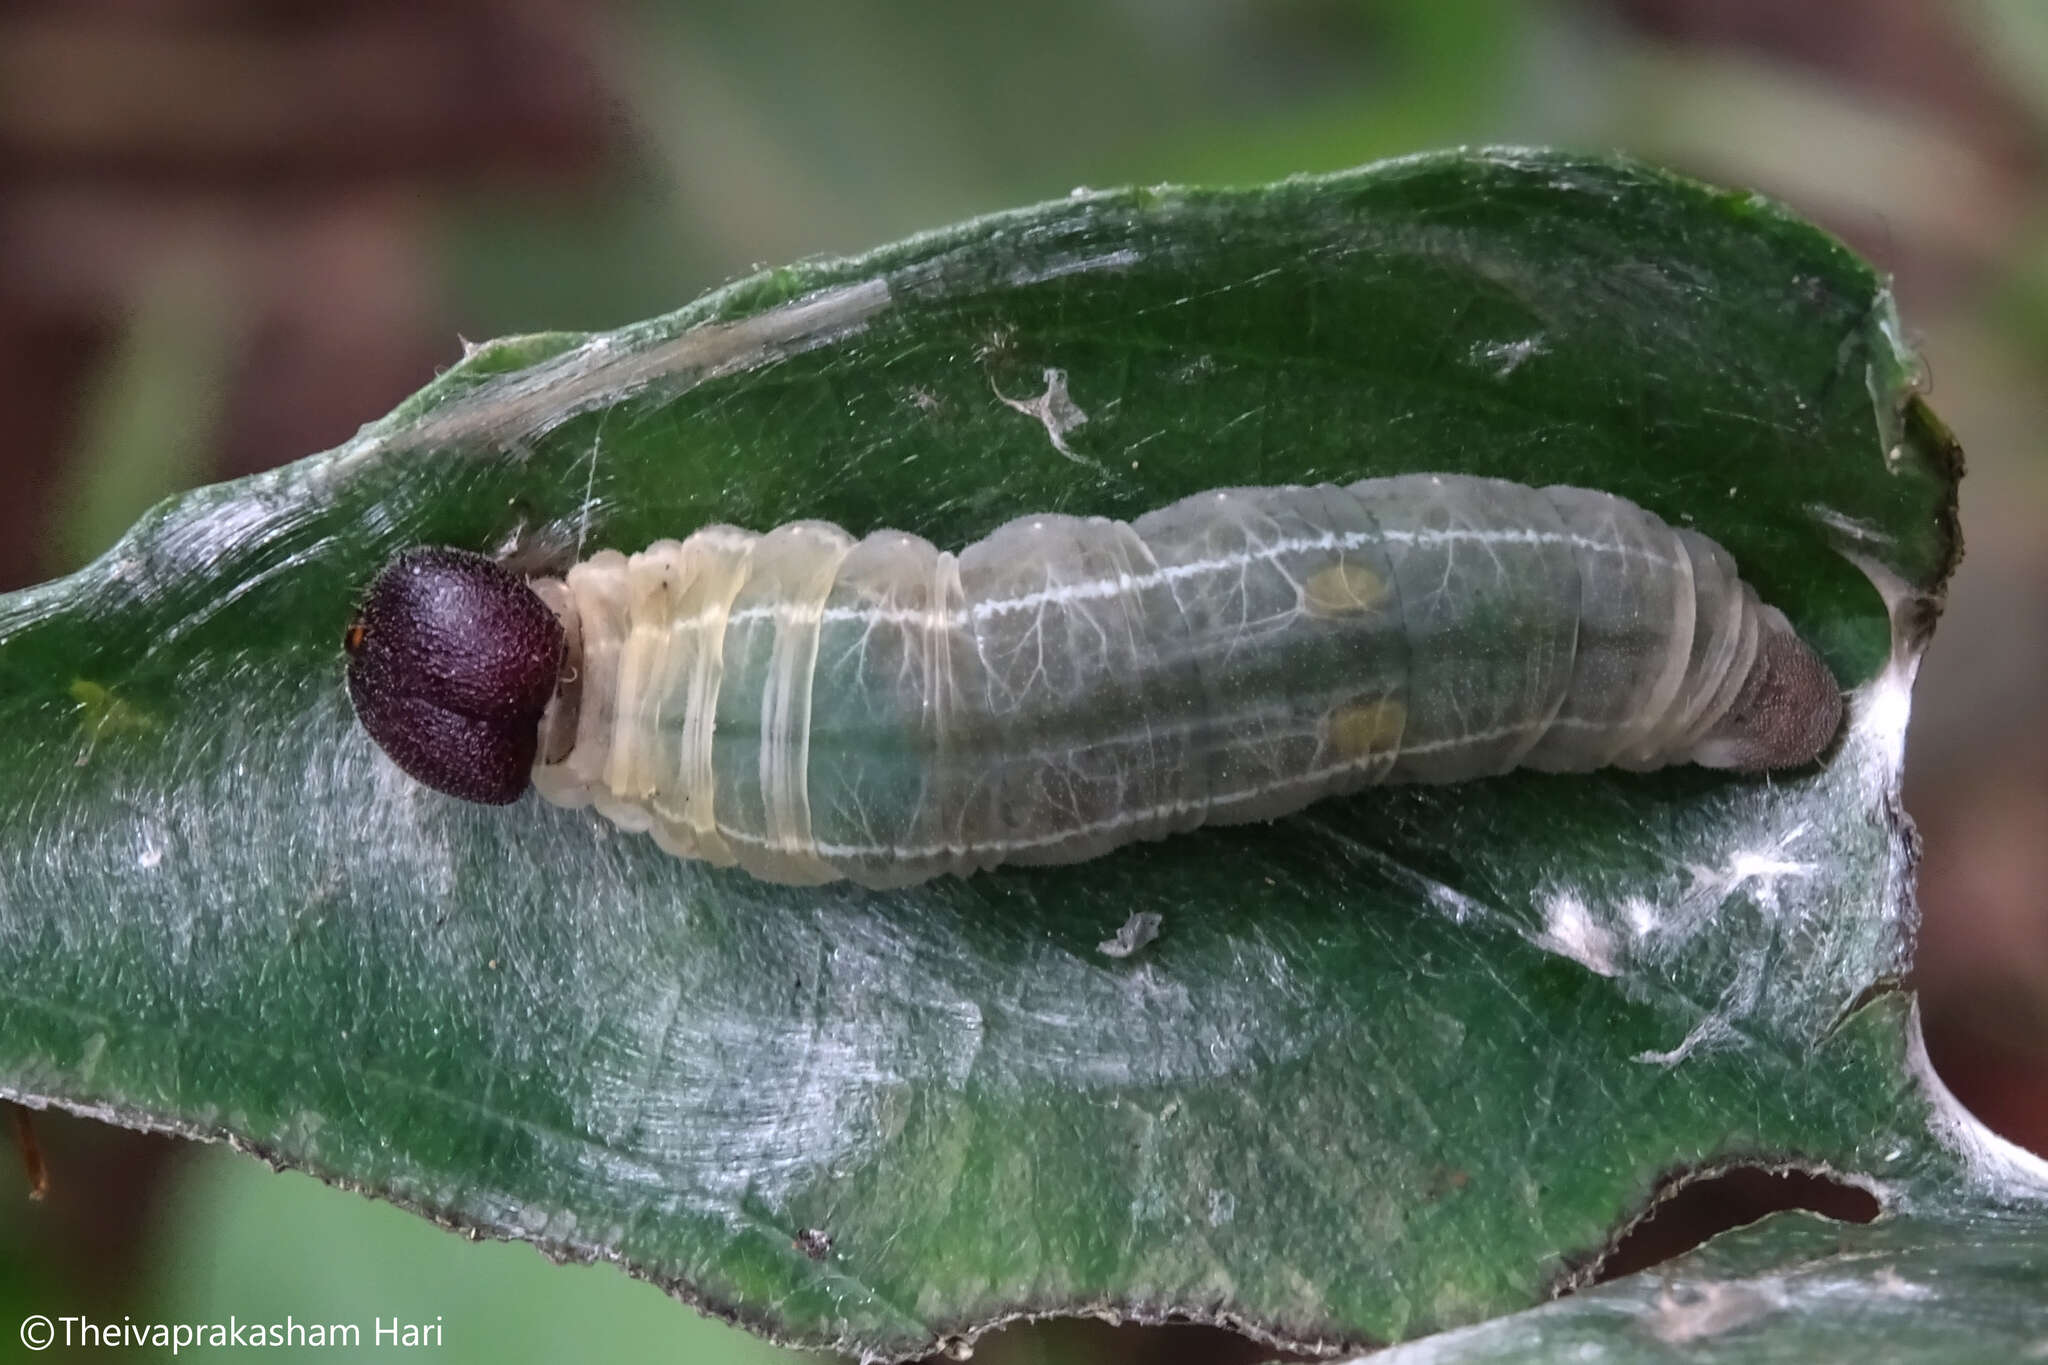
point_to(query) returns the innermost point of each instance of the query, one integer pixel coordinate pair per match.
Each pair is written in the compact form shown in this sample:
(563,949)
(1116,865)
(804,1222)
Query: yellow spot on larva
(1343,589)
(1360,728)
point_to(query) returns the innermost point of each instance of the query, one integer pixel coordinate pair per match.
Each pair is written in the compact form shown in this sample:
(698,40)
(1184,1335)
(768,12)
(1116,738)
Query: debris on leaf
(1140,929)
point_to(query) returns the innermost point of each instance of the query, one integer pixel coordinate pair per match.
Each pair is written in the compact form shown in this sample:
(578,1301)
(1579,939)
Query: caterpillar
(808,706)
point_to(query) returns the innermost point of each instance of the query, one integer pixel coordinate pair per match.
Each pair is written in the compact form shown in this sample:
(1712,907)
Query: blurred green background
(232,231)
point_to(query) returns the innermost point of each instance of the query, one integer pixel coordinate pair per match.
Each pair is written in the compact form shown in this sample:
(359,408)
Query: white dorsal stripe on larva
(1095,589)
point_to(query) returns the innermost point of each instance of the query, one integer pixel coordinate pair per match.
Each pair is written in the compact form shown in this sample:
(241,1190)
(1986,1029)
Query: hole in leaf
(1691,1208)
(1084,1339)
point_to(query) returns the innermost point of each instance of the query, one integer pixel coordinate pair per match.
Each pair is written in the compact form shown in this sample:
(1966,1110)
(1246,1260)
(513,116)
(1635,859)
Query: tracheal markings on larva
(809,706)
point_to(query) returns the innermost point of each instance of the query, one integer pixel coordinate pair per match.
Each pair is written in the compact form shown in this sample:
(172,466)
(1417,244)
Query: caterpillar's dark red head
(451,661)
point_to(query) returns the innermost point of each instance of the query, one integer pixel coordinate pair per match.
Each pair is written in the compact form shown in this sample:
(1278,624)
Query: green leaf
(1401,1063)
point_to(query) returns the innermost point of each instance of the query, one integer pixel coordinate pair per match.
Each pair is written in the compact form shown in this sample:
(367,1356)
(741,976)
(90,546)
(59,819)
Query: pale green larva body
(811,707)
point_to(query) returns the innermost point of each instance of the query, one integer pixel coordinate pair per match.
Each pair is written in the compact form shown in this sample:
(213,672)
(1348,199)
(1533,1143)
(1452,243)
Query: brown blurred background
(233,231)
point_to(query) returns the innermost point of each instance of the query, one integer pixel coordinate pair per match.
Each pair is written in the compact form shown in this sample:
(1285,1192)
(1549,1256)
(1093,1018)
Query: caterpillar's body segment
(810,707)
